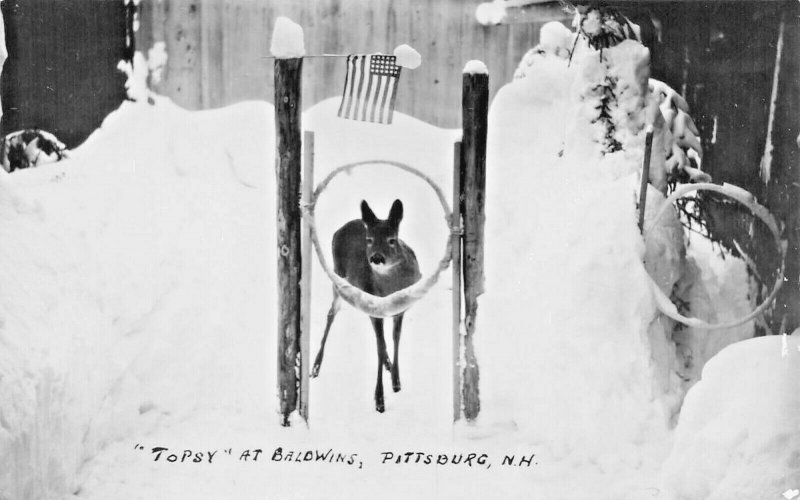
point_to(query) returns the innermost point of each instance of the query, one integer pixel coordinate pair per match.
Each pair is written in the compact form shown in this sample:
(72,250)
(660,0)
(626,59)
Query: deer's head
(383,248)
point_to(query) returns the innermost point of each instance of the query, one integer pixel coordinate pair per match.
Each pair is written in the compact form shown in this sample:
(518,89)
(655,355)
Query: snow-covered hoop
(663,302)
(401,300)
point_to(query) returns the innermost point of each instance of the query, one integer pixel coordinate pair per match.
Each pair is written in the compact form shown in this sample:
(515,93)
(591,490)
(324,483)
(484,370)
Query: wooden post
(305,276)
(288,146)
(648,149)
(456,266)
(475,109)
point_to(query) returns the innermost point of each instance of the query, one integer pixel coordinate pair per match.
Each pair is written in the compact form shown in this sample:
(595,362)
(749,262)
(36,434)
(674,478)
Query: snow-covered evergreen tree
(614,96)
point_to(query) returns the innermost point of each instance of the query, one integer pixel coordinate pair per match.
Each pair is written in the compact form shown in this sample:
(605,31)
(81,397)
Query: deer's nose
(377,258)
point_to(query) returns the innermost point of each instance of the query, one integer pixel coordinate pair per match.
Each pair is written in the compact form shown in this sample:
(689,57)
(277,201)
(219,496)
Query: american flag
(370,88)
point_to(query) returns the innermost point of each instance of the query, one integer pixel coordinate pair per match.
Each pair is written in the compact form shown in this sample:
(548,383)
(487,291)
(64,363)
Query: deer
(369,255)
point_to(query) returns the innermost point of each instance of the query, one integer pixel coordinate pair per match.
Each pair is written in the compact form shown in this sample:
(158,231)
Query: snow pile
(577,354)
(287,39)
(117,315)
(739,430)
(604,372)
(574,272)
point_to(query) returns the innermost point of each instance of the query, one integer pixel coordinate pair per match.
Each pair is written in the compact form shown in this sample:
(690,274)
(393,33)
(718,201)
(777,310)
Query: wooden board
(65,78)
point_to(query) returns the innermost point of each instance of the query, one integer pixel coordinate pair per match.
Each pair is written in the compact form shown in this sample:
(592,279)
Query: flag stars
(370,88)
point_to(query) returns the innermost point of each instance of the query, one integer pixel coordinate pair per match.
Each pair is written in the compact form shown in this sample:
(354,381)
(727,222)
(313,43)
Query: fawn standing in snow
(370,256)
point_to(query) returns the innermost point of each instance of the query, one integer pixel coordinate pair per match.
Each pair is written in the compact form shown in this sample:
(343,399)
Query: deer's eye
(392,241)
(370,240)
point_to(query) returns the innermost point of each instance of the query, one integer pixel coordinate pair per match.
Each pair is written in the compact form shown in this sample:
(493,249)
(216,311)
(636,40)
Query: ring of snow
(745,198)
(399,301)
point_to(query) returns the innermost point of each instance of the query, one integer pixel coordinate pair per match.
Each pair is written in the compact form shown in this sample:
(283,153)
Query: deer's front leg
(335,305)
(377,324)
(396,327)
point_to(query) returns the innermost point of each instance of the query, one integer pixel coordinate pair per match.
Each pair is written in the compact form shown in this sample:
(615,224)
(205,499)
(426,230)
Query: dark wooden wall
(61,73)
(722,56)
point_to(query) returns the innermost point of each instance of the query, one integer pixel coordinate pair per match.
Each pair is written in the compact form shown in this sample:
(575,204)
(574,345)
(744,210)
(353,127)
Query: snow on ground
(137,310)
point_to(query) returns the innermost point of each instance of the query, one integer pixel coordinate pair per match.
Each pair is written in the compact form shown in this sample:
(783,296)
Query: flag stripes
(370,88)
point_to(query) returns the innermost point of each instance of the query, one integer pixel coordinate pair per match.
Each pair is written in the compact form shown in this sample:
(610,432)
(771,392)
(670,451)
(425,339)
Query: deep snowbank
(574,349)
(576,354)
(739,429)
(117,302)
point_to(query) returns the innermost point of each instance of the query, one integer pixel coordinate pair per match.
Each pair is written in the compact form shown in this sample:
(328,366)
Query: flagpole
(311,55)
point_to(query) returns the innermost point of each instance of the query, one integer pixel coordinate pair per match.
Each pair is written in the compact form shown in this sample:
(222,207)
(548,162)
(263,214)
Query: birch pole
(305,278)
(456,283)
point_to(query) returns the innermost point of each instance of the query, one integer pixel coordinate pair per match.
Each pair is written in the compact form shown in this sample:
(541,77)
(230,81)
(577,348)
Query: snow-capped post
(288,49)
(475,110)
(456,284)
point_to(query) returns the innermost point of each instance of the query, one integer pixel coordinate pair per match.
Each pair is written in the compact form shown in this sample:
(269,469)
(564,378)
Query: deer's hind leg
(335,306)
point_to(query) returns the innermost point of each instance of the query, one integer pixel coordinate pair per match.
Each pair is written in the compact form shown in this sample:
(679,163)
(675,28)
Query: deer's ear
(396,213)
(367,215)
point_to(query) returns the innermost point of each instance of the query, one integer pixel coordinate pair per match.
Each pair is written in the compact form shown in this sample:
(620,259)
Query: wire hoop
(401,300)
(745,198)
